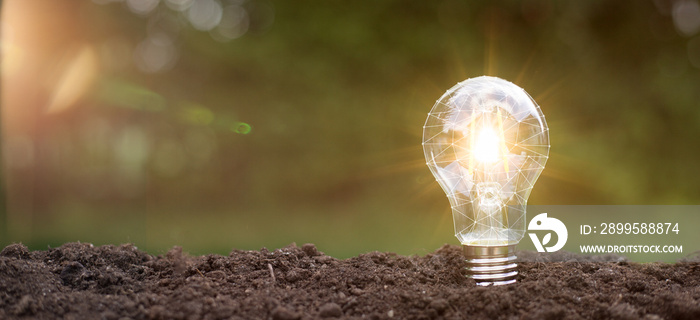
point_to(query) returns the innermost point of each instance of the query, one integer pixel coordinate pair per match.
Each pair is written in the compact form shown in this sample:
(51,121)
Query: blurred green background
(220,124)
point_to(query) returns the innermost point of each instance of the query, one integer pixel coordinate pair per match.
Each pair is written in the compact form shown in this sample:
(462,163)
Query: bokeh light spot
(234,24)
(142,7)
(205,15)
(179,5)
(155,54)
(242,128)
(686,16)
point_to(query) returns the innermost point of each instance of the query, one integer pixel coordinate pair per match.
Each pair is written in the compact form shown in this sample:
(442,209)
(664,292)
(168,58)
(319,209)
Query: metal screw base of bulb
(491,265)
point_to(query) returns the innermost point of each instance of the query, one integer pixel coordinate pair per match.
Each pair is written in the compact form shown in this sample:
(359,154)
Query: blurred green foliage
(307,128)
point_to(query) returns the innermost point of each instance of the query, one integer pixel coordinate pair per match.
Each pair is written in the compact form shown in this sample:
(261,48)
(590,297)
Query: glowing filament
(486,146)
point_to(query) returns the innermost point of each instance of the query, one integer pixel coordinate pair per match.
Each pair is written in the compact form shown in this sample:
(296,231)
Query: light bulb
(486,142)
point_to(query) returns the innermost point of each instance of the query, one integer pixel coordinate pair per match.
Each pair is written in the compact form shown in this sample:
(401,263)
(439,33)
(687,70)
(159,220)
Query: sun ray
(490,65)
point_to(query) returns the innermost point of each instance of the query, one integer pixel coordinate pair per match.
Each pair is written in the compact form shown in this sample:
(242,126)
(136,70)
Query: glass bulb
(486,142)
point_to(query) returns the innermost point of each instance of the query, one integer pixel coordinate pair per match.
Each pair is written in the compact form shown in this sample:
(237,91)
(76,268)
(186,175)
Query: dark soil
(79,281)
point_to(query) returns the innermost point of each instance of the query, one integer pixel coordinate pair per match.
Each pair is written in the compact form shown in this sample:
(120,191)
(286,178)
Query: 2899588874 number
(639,228)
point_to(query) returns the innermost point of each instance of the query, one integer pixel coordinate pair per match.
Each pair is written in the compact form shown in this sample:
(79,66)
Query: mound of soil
(80,281)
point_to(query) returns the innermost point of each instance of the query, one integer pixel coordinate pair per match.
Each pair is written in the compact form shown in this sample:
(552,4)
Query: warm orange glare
(74,81)
(486,146)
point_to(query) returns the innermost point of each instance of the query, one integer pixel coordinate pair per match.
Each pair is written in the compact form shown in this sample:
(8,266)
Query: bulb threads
(491,265)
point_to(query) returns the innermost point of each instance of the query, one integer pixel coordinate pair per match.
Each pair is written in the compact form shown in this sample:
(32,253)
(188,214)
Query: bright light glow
(486,146)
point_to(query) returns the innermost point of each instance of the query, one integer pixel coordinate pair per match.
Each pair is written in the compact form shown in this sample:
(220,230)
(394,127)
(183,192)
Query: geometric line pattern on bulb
(486,142)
